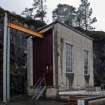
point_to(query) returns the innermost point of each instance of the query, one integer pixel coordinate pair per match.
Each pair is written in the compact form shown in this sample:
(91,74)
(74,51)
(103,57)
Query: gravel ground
(25,100)
(44,102)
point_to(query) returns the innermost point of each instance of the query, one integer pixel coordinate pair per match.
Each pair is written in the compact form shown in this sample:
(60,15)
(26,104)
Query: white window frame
(69,62)
(86,62)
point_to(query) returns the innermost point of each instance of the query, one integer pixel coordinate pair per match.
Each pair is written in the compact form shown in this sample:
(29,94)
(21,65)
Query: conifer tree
(84,14)
(37,11)
(65,14)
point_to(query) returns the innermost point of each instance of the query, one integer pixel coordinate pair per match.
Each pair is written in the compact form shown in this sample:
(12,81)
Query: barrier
(96,100)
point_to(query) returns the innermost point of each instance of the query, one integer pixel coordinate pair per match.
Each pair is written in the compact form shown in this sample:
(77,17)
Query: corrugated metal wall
(43,58)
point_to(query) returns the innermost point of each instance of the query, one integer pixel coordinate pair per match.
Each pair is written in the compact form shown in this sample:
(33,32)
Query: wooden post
(8,65)
(29,64)
(6,61)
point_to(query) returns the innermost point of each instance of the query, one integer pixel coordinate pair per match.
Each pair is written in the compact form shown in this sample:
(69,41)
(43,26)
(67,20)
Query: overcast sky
(98,7)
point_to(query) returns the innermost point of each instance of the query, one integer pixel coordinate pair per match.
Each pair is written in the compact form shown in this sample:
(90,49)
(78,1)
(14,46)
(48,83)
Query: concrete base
(66,98)
(51,93)
(30,91)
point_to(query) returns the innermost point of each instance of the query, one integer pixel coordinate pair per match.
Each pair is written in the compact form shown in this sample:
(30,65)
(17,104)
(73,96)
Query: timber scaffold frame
(6,52)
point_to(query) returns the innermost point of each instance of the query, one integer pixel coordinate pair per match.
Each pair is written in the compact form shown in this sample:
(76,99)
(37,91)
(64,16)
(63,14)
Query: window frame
(69,62)
(86,62)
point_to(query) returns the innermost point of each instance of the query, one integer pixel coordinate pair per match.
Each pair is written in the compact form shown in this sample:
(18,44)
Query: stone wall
(79,43)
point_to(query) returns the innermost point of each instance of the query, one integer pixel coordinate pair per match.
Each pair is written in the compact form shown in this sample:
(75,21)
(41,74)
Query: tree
(84,13)
(1,15)
(65,13)
(37,11)
(28,13)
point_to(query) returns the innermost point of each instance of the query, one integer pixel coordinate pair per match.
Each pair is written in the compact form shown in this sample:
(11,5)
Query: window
(86,63)
(69,60)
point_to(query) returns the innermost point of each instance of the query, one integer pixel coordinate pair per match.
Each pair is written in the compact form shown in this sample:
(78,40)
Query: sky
(97,6)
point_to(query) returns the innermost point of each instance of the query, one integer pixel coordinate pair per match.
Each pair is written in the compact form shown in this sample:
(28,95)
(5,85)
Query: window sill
(86,74)
(70,75)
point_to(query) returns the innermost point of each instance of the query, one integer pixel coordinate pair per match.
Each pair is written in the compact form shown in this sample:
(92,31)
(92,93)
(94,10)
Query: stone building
(64,58)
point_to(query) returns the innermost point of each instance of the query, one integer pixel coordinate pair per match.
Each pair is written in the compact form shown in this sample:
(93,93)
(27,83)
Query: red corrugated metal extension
(43,58)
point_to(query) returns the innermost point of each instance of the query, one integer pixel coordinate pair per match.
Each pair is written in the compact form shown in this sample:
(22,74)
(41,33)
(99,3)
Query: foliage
(84,13)
(13,17)
(80,17)
(37,11)
(99,54)
(65,13)
(1,15)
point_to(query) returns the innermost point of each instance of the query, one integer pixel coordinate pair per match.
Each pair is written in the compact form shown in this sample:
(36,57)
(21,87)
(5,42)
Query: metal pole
(8,65)
(5,59)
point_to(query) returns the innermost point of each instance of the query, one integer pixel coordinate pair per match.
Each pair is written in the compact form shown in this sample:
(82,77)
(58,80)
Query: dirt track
(24,100)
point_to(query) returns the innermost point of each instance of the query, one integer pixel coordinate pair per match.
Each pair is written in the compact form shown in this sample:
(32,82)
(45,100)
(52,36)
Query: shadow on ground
(26,100)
